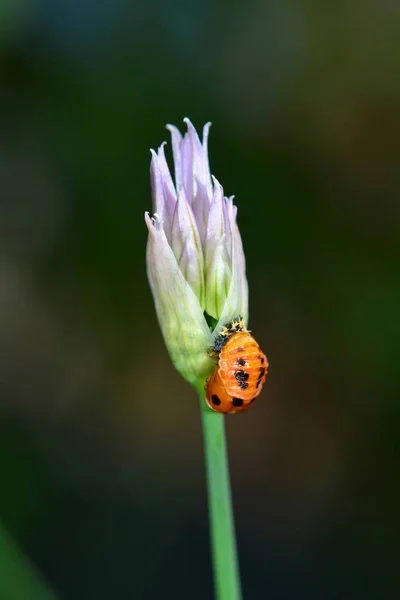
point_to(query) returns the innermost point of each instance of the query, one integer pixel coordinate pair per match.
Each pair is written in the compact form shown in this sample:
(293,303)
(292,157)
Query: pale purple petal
(202,200)
(180,315)
(197,153)
(187,177)
(157,187)
(168,191)
(186,245)
(240,260)
(200,168)
(192,269)
(184,225)
(215,221)
(201,207)
(156,184)
(166,174)
(237,299)
(176,139)
(218,279)
(206,177)
(228,212)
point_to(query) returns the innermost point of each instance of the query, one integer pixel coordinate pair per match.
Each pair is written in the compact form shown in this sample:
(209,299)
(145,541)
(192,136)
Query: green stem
(222,529)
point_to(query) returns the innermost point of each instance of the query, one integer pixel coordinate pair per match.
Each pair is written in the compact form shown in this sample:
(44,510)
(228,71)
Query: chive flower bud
(195,260)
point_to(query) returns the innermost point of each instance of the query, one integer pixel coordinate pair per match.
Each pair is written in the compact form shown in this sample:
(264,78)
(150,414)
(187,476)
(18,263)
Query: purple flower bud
(195,260)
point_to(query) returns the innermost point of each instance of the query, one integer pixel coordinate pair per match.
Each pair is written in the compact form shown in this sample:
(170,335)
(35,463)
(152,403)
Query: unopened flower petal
(201,167)
(237,298)
(164,196)
(180,315)
(186,246)
(215,221)
(176,139)
(192,170)
(218,279)
(202,185)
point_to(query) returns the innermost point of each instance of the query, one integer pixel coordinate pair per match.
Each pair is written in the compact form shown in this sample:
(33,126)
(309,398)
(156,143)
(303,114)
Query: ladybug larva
(240,373)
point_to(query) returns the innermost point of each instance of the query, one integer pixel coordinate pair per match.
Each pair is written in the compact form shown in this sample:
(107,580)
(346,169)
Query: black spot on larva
(240,349)
(258,382)
(261,359)
(237,402)
(241,362)
(215,400)
(241,375)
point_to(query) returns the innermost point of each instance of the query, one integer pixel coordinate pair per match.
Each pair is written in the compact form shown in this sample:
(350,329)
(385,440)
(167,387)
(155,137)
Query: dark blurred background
(103,483)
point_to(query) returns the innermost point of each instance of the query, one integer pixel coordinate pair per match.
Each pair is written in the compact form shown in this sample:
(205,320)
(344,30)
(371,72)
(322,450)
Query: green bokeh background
(102,475)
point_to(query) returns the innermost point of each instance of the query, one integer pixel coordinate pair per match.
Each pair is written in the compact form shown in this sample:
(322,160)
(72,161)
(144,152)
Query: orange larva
(240,373)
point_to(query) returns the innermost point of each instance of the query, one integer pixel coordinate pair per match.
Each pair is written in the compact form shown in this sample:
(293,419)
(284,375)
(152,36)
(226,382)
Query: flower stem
(222,529)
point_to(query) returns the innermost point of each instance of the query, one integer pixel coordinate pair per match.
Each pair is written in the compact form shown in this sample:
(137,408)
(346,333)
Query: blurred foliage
(100,445)
(17,576)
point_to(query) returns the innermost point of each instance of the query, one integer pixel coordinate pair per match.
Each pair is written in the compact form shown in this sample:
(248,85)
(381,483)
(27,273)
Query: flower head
(195,260)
